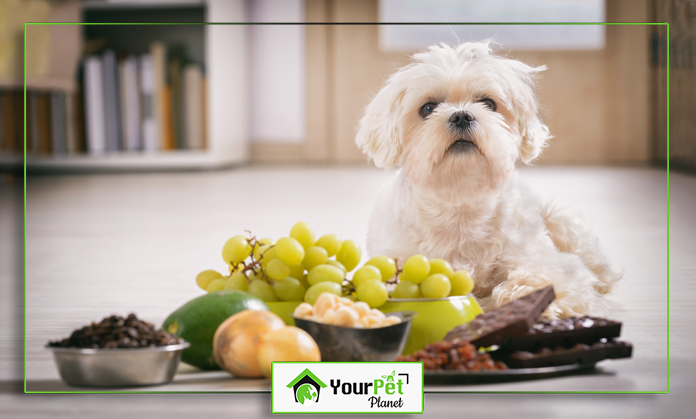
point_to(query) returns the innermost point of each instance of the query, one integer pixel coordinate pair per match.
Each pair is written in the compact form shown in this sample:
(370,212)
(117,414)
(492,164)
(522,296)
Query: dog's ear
(380,133)
(533,132)
(535,136)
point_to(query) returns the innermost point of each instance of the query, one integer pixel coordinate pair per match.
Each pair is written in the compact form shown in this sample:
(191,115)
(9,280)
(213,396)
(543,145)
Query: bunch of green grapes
(419,278)
(300,268)
(434,278)
(294,268)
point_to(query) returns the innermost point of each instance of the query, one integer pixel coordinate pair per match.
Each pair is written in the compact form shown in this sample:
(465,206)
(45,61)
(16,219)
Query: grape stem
(349,288)
(254,263)
(395,279)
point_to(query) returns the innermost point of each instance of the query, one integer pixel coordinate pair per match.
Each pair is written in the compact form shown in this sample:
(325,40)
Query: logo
(306,387)
(347,387)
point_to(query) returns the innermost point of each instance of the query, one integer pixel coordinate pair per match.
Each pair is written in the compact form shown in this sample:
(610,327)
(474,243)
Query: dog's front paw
(508,291)
(559,310)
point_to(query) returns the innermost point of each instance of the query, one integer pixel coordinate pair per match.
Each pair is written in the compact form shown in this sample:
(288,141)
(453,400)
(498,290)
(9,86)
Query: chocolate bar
(567,333)
(510,320)
(580,353)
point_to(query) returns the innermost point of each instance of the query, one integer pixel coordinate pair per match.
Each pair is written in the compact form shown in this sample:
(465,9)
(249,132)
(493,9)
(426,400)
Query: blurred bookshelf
(126,97)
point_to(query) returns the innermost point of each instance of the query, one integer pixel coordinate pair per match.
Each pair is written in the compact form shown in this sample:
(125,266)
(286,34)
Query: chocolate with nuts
(566,332)
(510,320)
(580,353)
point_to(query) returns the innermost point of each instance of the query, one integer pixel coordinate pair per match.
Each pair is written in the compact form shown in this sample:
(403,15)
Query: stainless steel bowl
(348,344)
(118,367)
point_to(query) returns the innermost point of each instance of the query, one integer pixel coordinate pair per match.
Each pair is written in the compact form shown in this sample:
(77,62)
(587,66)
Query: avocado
(197,321)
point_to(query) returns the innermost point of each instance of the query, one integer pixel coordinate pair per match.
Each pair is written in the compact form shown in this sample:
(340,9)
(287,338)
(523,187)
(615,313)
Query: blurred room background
(125,97)
(278,106)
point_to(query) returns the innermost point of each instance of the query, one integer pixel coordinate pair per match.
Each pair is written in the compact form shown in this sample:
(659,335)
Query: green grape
(303,233)
(416,269)
(323,273)
(406,289)
(373,292)
(386,266)
(237,281)
(289,289)
(277,269)
(436,286)
(317,289)
(441,266)
(349,254)
(254,275)
(315,256)
(236,250)
(289,251)
(216,285)
(268,256)
(204,278)
(330,242)
(365,273)
(339,265)
(259,251)
(265,241)
(234,268)
(263,290)
(462,283)
(297,271)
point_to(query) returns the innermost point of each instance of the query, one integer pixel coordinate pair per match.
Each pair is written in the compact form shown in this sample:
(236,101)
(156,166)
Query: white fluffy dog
(457,120)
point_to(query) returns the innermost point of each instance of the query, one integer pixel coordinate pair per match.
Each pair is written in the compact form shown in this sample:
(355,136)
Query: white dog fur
(463,202)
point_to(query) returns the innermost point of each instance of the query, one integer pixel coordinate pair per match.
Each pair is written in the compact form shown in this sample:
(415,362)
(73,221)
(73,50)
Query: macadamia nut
(346,316)
(324,302)
(342,311)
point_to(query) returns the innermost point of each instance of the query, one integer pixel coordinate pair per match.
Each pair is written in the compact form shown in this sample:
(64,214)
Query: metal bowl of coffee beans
(118,352)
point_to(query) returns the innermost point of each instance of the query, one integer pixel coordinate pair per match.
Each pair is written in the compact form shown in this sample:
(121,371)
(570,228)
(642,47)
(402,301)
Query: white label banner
(347,387)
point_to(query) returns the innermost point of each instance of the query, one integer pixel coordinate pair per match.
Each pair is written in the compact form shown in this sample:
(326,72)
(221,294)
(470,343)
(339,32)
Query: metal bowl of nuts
(350,344)
(352,332)
(118,352)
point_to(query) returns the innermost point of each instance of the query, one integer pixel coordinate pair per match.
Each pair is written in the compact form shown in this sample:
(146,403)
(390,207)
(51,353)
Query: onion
(287,344)
(234,342)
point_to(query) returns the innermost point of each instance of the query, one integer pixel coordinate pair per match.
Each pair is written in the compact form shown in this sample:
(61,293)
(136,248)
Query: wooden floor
(103,244)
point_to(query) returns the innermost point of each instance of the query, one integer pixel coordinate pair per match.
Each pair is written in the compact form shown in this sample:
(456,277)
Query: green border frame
(351,413)
(324,23)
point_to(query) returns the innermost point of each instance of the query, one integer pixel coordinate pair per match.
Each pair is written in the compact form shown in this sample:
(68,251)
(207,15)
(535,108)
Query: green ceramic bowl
(436,317)
(284,309)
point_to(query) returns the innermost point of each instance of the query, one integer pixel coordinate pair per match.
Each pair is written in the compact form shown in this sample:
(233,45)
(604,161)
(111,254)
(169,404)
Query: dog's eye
(489,102)
(427,109)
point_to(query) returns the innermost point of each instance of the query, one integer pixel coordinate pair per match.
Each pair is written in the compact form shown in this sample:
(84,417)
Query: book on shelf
(148,121)
(43,124)
(94,105)
(59,142)
(158,53)
(130,103)
(193,112)
(123,103)
(72,130)
(11,121)
(112,109)
(174,73)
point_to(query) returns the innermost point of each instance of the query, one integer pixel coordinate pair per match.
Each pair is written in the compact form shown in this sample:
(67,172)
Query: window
(514,37)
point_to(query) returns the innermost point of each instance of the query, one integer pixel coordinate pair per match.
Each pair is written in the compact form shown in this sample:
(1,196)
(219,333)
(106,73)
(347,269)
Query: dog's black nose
(461,119)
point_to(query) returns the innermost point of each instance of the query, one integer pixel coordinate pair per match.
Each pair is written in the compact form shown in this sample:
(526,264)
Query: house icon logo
(306,387)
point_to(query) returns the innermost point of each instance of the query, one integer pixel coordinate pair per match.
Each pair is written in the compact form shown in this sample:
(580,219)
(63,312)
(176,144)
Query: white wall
(277,72)
(228,69)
